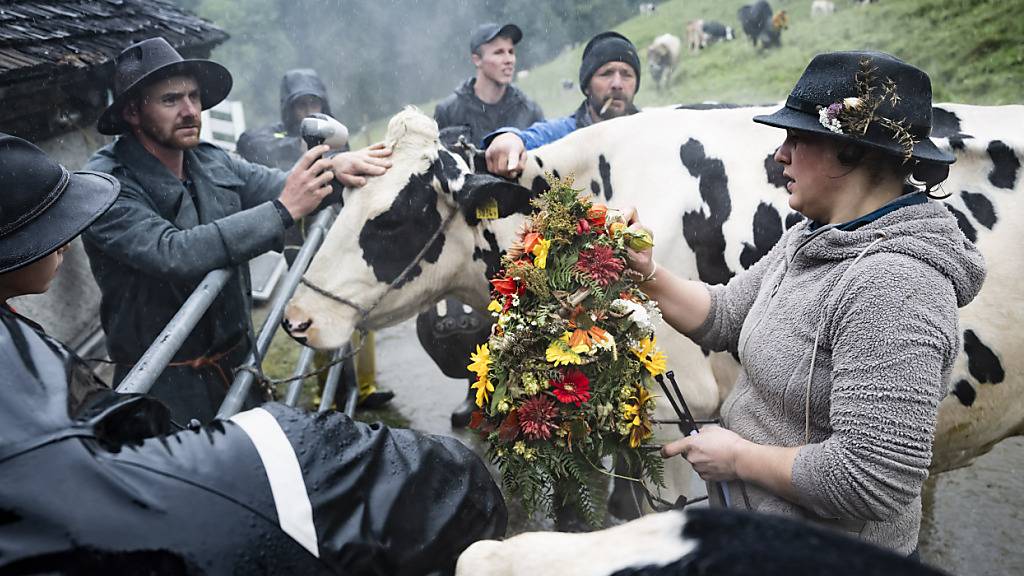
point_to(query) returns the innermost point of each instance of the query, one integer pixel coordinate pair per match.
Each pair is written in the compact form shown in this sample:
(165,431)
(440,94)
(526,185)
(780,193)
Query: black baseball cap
(487,32)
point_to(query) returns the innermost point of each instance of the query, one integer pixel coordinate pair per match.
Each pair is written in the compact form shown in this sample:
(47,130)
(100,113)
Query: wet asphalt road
(973,517)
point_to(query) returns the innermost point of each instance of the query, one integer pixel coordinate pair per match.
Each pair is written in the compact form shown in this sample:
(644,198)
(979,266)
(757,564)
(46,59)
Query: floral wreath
(853,115)
(564,380)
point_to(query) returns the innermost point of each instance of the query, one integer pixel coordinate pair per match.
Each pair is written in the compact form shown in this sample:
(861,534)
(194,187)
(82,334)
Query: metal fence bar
(145,372)
(239,390)
(295,387)
(331,383)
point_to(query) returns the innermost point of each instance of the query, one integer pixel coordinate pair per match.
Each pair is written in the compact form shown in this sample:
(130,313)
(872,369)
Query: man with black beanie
(609,78)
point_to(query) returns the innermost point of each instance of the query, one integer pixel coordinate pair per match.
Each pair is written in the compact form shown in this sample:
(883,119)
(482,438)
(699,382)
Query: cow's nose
(300,327)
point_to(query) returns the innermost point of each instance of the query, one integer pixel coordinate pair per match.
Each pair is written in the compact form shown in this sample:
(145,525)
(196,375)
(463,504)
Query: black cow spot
(982,362)
(449,168)
(392,240)
(540,163)
(490,255)
(774,171)
(964,392)
(1005,165)
(595,188)
(703,232)
(539,186)
(793,218)
(946,124)
(605,170)
(965,226)
(981,207)
(767,231)
(556,174)
(705,351)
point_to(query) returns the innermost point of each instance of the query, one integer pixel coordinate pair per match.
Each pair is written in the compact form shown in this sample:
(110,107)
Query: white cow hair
(653,540)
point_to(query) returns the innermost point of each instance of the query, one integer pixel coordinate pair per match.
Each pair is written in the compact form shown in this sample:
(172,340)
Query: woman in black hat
(847,330)
(43,207)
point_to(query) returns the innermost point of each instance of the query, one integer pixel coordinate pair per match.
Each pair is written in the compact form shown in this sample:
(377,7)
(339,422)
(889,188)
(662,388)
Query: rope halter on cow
(364,312)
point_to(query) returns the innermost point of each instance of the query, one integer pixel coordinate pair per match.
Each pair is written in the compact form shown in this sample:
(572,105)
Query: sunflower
(560,353)
(649,355)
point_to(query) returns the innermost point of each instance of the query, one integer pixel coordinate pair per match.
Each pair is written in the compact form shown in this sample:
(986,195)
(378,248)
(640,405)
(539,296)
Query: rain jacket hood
(296,83)
(926,232)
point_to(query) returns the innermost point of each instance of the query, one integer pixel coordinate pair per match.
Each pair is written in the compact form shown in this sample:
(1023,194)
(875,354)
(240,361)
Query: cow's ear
(483,193)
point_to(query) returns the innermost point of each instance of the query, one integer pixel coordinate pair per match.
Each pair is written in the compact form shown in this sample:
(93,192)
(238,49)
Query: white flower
(828,122)
(852,102)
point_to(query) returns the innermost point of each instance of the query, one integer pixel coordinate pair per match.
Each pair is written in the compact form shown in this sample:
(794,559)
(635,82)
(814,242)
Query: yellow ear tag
(487,210)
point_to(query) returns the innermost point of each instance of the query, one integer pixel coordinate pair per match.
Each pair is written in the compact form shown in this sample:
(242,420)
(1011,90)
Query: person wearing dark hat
(187,208)
(609,78)
(488,100)
(483,103)
(846,331)
(279,145)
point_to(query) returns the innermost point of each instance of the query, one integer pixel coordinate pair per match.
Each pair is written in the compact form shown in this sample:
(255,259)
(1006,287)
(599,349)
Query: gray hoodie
(881,301)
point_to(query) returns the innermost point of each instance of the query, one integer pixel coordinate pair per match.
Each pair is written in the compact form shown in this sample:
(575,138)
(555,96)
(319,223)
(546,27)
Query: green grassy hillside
(973,50)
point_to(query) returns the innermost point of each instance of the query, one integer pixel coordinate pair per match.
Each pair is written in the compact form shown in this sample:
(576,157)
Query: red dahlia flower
(600,264)
(572,388)
(507,286)
(537,417)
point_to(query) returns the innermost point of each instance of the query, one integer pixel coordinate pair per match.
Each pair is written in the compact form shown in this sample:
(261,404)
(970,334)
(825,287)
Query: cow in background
(662,59)
(822,8)
(715,31)
(757,22)
(648,8)
(702,33)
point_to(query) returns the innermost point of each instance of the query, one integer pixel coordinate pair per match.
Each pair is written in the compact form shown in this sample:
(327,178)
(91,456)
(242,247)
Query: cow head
(405,240)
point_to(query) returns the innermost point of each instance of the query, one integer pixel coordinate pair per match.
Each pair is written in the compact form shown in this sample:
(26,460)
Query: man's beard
(175,139)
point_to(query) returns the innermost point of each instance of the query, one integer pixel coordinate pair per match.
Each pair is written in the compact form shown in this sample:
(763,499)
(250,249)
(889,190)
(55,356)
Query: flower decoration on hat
(555,394)
(853,116)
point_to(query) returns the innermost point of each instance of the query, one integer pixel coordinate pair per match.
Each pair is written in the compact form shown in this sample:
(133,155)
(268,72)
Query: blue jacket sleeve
(539,133)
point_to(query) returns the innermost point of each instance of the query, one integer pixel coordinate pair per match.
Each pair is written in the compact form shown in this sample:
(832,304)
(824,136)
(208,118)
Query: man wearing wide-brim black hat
(187,207)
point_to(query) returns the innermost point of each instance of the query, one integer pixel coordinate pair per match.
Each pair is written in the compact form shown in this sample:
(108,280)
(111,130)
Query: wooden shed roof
(45,40)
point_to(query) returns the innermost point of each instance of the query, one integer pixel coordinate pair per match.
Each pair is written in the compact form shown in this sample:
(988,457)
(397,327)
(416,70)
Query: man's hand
(352,168)
(713,452)
(308,183)
(506,156)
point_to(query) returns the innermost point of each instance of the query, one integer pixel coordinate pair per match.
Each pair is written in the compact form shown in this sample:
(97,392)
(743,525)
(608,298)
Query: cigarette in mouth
(604,108)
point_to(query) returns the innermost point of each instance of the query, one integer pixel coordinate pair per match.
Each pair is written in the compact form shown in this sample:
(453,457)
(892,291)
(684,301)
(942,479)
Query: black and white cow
(694,542)
(706,183)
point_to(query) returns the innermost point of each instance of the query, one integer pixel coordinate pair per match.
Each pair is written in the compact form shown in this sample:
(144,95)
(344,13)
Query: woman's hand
(713,453)
(640,260)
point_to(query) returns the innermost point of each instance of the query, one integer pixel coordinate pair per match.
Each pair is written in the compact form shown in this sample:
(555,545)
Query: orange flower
(597,214)
(529,241)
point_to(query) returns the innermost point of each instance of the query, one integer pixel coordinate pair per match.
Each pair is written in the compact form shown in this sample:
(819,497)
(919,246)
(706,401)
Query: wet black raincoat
(94,484)
(279,145)
(463,108)
(154,246)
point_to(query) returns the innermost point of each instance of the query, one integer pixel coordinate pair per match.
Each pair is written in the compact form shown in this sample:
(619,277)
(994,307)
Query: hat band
(808,107)
(38,209)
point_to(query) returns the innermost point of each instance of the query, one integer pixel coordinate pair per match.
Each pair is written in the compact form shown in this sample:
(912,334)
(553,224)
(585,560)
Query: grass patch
(972,49)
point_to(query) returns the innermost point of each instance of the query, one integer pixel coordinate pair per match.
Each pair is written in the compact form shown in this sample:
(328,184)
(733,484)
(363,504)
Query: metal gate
(340,375)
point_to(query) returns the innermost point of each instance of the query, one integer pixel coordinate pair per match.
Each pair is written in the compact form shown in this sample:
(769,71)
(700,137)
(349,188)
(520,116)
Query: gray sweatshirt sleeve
(731,302)
(894,336)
